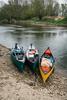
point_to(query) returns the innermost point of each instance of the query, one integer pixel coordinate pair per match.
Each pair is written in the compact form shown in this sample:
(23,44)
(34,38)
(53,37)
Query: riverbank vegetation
(34,12)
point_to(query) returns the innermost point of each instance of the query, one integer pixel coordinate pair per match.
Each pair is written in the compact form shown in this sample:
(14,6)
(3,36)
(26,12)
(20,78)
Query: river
(54,37)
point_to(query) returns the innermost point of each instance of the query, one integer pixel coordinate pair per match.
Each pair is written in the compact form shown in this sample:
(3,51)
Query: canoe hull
(33,65)
(46,64)
(20,65)
(45,76)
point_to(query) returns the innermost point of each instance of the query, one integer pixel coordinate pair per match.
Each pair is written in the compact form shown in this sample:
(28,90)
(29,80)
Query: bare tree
(64,9)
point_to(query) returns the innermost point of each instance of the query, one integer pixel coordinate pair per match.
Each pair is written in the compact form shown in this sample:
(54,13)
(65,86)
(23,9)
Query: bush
(46,19)
(4,21)
(35,19)
(13,21)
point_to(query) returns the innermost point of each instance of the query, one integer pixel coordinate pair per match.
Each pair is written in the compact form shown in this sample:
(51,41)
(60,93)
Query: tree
(27,12)
(49,8)
(11,2)
(38,8)
(56,9)
(64,9)
(15,2)
(10,12)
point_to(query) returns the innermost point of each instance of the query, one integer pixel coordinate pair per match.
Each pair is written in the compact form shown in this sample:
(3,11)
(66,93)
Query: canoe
(46,64)
(18,58)
(32,59)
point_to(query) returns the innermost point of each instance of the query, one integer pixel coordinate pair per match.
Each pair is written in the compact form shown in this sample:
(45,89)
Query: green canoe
(18,58)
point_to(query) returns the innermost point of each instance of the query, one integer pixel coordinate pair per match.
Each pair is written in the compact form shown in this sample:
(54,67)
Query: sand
(22,86)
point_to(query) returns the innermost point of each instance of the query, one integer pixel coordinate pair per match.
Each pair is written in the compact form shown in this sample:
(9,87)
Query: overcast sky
(4,1)
(60,1)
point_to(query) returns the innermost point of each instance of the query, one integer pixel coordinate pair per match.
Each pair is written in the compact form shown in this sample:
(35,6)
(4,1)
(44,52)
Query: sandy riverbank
(20,86)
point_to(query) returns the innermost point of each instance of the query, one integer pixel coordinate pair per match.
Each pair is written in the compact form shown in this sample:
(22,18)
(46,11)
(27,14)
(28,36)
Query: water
(55,38)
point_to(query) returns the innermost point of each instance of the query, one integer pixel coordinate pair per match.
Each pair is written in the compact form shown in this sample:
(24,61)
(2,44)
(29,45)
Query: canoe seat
(20,56)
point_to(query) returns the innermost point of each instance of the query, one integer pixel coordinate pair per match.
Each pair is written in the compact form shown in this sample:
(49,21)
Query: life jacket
(45,69)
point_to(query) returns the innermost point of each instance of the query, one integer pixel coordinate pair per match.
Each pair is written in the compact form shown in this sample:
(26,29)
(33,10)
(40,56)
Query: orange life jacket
(45,69)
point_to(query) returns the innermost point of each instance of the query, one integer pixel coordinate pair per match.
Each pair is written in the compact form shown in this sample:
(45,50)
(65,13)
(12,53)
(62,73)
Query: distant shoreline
(30,23)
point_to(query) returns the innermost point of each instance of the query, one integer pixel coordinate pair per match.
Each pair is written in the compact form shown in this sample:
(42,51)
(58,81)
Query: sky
(60,1)
(4,1)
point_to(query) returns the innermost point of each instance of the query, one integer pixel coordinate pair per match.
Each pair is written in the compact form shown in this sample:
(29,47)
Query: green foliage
(36,11)
(10,12)
(52,21)
(64,9)
(38,8)
(63,21)
(27,12)
(16,12)
(4,21)
(49,10)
